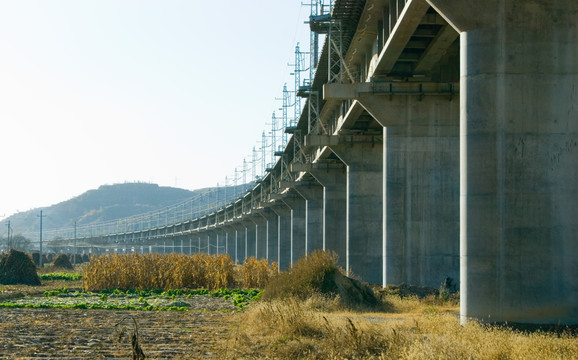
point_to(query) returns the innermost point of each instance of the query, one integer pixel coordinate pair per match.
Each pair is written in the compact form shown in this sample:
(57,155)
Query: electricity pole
(40,257)
(8,243)
(75,251)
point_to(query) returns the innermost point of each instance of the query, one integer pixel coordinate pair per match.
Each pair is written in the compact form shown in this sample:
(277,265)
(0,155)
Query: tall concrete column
(272,234)
(203,242)
(240,240)
(211,242)
(364,226)
(261,235)
(250,238)
(236,238)
(283,234)
(421,188)
(312,192)
(298,224)
(519,158)
(221,240)
(334,184)
(421,176)
(230,241)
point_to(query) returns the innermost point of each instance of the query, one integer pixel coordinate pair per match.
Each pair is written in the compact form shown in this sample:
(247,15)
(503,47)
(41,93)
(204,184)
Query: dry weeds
(254,274)
(299,329)
(158,271)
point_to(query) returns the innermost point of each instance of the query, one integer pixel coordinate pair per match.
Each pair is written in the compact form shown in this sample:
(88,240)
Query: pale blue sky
(172,92)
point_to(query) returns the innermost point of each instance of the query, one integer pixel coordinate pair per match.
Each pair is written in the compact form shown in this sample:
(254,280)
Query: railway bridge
(438,139)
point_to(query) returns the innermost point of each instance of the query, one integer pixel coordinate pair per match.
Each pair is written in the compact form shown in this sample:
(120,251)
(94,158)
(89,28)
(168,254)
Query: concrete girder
(436,50)
(405,26)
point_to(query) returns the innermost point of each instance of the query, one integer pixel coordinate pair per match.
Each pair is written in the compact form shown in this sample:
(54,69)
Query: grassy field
(410,329)
(306,313)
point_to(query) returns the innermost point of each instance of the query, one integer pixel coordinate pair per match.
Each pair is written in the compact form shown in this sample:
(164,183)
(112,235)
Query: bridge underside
(445,146)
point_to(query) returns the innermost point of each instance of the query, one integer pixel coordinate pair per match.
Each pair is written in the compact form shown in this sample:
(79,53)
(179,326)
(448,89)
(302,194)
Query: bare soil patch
(92,334)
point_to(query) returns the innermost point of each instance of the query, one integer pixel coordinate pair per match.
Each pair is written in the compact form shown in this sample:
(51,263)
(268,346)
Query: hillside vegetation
(110,202)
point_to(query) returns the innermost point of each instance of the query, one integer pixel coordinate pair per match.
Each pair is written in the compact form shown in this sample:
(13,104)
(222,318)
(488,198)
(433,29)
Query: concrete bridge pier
(261,236)
(237,238)
(240,236)
(220,236)
(283,234)
(272,232)
(197,243)
(421,186)
(230,241)
(519,158)
(203,242)
(364,218)
(312,192)
(298,224)
(333,180)
(251,237)
(211,242)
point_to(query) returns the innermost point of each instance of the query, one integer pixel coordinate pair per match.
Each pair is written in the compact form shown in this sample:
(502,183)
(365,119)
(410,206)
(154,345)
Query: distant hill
(108,202)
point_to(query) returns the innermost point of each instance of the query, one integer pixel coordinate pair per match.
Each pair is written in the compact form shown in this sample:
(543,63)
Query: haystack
(36,258)
(319,273)
(17,268)
(352,292)
(62,261)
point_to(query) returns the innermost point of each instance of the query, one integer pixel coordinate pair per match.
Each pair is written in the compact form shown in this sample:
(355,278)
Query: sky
(176,93)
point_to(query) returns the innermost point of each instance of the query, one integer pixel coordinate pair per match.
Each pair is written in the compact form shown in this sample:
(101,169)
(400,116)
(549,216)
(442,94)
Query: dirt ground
(93,334)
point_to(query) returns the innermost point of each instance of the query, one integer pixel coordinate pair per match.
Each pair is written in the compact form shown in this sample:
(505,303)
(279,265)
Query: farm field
(41,333)
(312,311)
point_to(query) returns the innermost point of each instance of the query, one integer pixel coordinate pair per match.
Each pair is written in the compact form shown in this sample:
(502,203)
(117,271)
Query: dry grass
(158,271)
(174,271)
(305,278)
(254,274)
(298,329)
(295,321)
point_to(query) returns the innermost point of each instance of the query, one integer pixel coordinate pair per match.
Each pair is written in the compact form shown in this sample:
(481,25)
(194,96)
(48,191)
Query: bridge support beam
(312,192)
(420,176)
(230,241)
(333,180)
(221,242)
(240,234)
(298,224)
(364,219)
(250,238)
(421,187)
(272,234)
(283,234)
(519,158)
(238,238)
(260,236)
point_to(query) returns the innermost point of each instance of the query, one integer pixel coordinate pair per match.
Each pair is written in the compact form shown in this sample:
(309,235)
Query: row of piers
(446,148)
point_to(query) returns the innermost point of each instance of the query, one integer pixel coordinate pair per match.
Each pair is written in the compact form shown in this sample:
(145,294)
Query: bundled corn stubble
(158,271)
